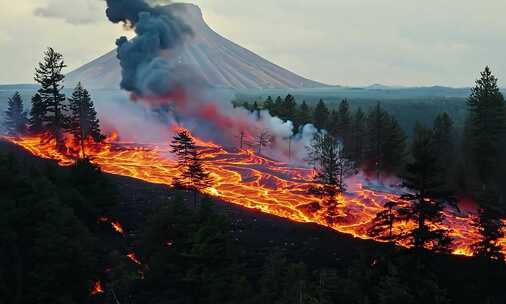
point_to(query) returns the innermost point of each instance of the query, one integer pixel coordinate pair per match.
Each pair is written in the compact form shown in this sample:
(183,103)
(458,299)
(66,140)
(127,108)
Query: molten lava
(245,178)
(97,288)
(133,257)
(117,227)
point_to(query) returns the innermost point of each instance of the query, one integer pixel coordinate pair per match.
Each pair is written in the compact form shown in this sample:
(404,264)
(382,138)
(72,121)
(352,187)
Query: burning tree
(489,224)
(327,157)
(83,120)
(49,76)
(16,120)
(428,198)
(193,174)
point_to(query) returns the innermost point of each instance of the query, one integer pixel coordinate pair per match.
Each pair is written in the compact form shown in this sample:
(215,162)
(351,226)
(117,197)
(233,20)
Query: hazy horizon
(350,43)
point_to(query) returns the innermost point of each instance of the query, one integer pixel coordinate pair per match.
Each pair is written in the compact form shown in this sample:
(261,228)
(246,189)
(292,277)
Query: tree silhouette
(193,175)
(428,196)
(384,221)
(49,76)
(37,115)
(15,116)
(84,123)
(327,158)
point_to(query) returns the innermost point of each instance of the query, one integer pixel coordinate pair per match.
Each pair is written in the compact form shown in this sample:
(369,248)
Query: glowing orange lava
(117,227)
(245,178)
(133,257)
(97,288)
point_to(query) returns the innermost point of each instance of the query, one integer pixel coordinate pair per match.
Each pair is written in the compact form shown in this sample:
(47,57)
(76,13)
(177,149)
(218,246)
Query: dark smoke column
(145,72)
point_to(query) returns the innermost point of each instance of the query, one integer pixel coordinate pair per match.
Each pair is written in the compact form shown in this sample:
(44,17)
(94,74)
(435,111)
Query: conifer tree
(15,116)
(262,139)
(489,224)
(321,116)
(428,196)
(332,124)
(303,115)
(288,108)
(444,143)
(37,115)
(268,104)
(358,136)
(193,176)
(49,76)
(383,223)
(327,158)
(488,124)
(376,130)
(84,123)
(277,108)
(394,147)
(344,125)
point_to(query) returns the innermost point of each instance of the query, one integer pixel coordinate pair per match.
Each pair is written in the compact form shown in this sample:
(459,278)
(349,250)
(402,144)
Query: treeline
(438,162)
(51,250)
(52,115)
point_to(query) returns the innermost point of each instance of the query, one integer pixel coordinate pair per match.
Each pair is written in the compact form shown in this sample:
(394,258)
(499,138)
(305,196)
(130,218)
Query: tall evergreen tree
(394,150)
(377,130)
(489,224)
(84,123)
(321,115)
(268,104)
(343,129)
(288,108)
(327,158)
(383,223)
(488,121)
(303,115)
(444,143)
(428,195)
(15,116)
(332,124)
(358,137)
(49,76)
(277,108)
(193,175)
(37,115)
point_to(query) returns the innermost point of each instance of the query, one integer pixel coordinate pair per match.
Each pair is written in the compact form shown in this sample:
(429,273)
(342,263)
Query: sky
(344,42)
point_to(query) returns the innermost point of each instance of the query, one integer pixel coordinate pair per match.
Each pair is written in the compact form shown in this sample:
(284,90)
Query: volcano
(217,60)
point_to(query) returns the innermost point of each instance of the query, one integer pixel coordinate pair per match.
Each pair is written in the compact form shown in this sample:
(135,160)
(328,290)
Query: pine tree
(268,104)
(84,123)
(394,150)
(287,108)
(358,137)
(304,115)
(488,121)
(321,116)
(37,115)
(377,123)
(444,141)
(428,195)
(333,123)
(262,139)
(49,76)
(193,176)
(15,116)
(383,223)
(343,130)
(327,158)
(277,109)
(489,224)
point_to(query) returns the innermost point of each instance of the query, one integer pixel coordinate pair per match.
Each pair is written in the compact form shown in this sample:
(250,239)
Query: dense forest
(56,247)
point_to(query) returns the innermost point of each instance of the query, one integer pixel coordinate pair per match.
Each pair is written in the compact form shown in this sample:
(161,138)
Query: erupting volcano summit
(217,60)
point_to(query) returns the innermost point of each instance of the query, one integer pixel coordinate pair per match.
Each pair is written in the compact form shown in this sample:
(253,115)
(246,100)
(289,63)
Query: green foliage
(15,116)
(429,196)
(50,77)
(487,125)
(49,254)
(84,123)
(37,115)
(321,116)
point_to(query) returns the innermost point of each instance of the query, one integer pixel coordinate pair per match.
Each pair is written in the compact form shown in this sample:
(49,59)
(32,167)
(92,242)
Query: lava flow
(245,178)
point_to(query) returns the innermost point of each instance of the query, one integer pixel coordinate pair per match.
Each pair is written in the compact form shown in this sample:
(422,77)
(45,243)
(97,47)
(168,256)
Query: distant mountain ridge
(222,63)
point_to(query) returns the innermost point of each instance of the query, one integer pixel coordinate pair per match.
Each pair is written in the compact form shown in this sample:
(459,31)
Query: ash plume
(145,72)
(153,77)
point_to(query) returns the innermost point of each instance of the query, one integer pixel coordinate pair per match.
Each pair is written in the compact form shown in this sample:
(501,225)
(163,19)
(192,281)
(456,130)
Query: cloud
(72,11)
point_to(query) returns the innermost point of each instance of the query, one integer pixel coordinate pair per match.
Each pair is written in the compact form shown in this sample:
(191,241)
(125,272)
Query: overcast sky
(347,42)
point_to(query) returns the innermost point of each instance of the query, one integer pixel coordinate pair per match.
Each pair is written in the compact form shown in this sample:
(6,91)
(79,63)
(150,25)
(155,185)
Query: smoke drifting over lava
(155,81)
